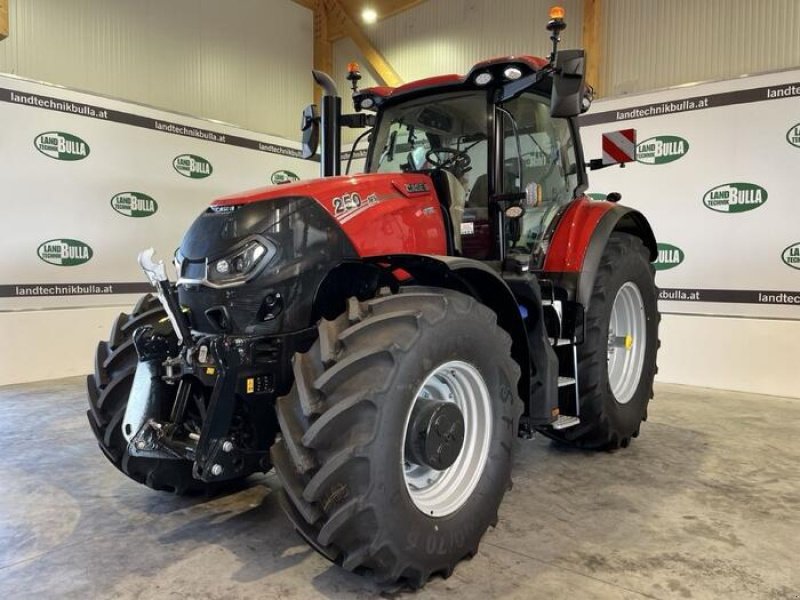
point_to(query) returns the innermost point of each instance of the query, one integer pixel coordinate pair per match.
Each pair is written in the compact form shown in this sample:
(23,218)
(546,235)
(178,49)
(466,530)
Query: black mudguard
(538,384)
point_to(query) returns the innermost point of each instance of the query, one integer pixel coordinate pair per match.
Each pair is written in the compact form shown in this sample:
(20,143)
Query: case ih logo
(735,197)
(134,204)
(281,177)
(793,135)
(669,257)
(61,146)
(661,149)
(791,256)
(193,166)
(65,252)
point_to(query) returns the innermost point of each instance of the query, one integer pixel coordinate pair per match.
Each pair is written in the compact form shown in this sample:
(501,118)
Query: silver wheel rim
(440,493)
(627,339)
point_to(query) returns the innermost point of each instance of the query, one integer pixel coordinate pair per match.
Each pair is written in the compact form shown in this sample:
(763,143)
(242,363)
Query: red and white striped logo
(619,147)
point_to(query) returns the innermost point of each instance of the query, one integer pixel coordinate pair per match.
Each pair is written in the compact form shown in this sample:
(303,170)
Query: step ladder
(565,345)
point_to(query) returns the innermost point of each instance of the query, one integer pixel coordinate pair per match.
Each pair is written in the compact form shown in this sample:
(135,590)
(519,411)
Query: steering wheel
(450,159)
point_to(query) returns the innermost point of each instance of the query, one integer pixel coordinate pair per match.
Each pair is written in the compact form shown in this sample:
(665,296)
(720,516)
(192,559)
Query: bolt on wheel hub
(447,437)
(435,435)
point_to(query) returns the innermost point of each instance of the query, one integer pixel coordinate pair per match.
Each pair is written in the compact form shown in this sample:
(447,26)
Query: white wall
(48,344)
(245,62)
(730,353)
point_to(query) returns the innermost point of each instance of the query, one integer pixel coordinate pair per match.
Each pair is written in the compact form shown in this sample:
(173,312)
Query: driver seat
(452,197)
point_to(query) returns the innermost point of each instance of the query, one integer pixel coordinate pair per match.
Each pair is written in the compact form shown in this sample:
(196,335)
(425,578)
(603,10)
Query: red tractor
(380,340)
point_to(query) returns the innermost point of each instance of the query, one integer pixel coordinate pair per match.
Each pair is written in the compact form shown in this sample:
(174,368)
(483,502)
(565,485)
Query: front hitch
(157,274)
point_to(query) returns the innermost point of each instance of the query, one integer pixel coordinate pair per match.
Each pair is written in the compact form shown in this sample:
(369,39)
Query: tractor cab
(500,145)
(501,163)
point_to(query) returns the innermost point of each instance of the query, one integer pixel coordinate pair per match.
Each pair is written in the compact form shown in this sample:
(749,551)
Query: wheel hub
(627,337)
(435,435)
(447,438)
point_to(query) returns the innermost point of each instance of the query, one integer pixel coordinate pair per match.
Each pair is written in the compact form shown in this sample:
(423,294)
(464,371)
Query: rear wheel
(617,361)
(397,435)
(109,387)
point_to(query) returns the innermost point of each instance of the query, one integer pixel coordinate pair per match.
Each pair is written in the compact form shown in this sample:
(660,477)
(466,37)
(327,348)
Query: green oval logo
(735,197)
(134,204)
(595,196)
(661,149)
(65,252)
(192,166)
(791,256)
(669,257)
(281,177)
(61,146)
(793,135)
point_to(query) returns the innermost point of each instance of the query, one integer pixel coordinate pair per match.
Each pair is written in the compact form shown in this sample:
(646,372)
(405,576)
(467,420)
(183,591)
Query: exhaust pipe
(331,157)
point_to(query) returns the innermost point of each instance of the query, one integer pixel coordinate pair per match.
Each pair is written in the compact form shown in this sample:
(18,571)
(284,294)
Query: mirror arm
(597,163)
(358,121)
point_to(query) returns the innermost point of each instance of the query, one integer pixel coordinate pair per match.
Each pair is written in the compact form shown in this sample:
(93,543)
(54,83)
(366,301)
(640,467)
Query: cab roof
(496,68)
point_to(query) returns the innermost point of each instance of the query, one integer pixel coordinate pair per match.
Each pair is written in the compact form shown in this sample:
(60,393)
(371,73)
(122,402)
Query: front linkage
(205,399)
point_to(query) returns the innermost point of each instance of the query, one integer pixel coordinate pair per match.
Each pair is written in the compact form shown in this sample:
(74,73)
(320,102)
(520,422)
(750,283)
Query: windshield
(447,131)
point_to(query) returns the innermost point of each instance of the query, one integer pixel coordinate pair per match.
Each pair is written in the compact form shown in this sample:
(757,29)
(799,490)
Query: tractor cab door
(444,136)
(537,153)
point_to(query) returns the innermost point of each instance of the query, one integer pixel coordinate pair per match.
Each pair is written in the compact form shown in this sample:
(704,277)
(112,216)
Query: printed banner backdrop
(88,182)
(716,174)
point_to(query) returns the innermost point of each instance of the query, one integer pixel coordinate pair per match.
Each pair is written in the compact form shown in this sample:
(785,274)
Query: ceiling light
(369,16)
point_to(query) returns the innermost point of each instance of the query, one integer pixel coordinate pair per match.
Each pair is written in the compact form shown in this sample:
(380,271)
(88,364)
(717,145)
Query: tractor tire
(109,386)
(616,367)
(343,456)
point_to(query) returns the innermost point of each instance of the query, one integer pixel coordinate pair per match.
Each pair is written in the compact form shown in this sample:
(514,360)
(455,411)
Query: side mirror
(310,129)
(569,98)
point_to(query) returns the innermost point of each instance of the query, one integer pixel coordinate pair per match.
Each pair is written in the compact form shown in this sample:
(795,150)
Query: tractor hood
(253,262)
(381,213)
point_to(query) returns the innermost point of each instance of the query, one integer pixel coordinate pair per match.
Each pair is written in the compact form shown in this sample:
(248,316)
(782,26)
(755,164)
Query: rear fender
(580,239)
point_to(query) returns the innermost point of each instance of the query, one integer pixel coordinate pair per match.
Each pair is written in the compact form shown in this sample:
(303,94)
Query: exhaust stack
(331,158)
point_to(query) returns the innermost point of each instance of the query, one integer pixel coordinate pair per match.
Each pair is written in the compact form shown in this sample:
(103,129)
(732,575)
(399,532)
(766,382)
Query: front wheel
(398,433)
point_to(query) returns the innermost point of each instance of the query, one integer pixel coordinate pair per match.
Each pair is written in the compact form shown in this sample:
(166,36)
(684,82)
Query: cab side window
(537,149)
(541,146)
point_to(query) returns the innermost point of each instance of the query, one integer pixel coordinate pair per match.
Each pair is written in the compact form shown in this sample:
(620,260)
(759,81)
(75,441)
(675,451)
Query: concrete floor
(705,504)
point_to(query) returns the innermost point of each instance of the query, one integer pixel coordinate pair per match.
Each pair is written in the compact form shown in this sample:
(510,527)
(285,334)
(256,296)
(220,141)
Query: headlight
(239,265)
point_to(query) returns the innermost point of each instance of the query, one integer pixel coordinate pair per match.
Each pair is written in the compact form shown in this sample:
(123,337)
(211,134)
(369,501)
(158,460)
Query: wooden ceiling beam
(333,20)
(323,47)
(593,43)
(3,19)
(379,66)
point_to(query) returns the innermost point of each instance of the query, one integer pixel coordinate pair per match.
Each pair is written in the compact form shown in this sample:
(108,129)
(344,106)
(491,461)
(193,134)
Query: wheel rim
(627,339)
(440,493)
